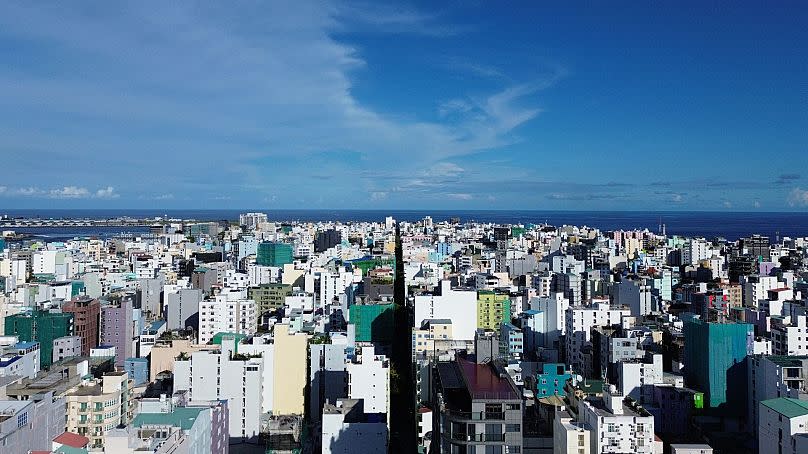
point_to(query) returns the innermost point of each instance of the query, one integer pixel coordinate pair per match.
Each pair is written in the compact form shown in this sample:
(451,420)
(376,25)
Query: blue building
(511,341)
(550,382)
(138,370)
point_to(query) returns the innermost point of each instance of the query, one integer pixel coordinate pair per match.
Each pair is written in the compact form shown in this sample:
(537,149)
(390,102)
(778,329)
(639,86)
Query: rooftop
(483,382)
(182,417)
(73,440)
(788,407)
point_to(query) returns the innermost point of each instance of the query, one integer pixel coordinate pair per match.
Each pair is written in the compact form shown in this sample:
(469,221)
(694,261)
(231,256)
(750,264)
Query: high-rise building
(40,326)
(493,309)
(327,239)
(715,358)
(480,409)
(118,329)
(274,254)
(783,426)
(269,297)
(758,247)
(252,220)
(86,318)
(374,321)
(98,406)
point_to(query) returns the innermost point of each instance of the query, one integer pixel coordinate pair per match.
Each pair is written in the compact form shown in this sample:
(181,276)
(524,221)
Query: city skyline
(345,105)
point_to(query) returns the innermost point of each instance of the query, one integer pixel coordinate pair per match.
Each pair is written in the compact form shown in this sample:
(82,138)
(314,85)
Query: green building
(274,254)
(492,310)
(368,263)
(374,322)
(43,327)
(269,297)
(715,361)
(218,337)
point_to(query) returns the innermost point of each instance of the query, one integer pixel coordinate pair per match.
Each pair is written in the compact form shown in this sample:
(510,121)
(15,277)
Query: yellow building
(289,371)
(98,406)
(492,310)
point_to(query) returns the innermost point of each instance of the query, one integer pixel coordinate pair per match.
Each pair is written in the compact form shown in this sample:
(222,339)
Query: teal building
(715,361)
(274,254)
(42,327)
(550,381)
(374,322)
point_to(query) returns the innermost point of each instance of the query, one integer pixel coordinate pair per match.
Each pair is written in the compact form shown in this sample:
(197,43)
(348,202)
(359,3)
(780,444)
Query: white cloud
(65,192)
(443,170)
(164,197)
(106,193)
(460,196)
(378,195)
(677,198)
(756,204)
(275,76)
(798,197)
(69,192)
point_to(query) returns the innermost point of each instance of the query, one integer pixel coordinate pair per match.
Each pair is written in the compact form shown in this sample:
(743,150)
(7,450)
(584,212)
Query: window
(22,419)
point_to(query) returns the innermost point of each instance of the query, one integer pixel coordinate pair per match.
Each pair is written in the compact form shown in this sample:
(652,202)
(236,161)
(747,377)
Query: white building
(770,377)
(228,313)
(569,436)
(616,426)
(21,359)
(554,308)
(369,380)
(213,375)
(579,322)
(252,220)
(346,429)
(635,295)
(790,335)
(66,347)
(459,306)
(784,425)
(756,288)
(636,378)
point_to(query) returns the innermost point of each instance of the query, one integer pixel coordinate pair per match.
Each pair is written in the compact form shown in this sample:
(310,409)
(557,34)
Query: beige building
(423,339)
(289,371)
(164,352)
(98,406)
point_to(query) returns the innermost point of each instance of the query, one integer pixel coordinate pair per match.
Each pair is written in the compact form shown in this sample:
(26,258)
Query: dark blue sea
(688,223)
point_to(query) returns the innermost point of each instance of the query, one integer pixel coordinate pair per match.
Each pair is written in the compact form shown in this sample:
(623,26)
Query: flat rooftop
(483,382)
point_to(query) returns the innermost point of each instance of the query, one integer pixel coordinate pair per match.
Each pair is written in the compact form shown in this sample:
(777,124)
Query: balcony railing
(477,438)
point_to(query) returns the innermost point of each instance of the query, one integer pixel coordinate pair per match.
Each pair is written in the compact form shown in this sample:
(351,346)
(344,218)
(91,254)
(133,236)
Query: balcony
(477,438)
(475,416)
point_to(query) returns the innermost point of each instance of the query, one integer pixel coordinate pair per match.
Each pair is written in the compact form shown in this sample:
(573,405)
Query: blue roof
(9,361)
(532,312)
(137,360)
(25,345)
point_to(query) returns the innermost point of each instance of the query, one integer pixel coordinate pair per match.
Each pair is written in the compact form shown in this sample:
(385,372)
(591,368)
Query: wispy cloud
(787,178)
(798,197)
(460,196)
(244,87)
(64,192)
(386,17)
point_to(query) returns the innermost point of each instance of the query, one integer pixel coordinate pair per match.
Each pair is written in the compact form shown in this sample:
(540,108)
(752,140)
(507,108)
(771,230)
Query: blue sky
(461,105)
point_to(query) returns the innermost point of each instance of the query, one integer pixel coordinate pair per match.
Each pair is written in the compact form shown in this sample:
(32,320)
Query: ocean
(688,223)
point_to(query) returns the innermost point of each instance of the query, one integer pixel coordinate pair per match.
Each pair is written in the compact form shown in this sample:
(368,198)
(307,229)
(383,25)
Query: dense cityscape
(262,335)
(403,226)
